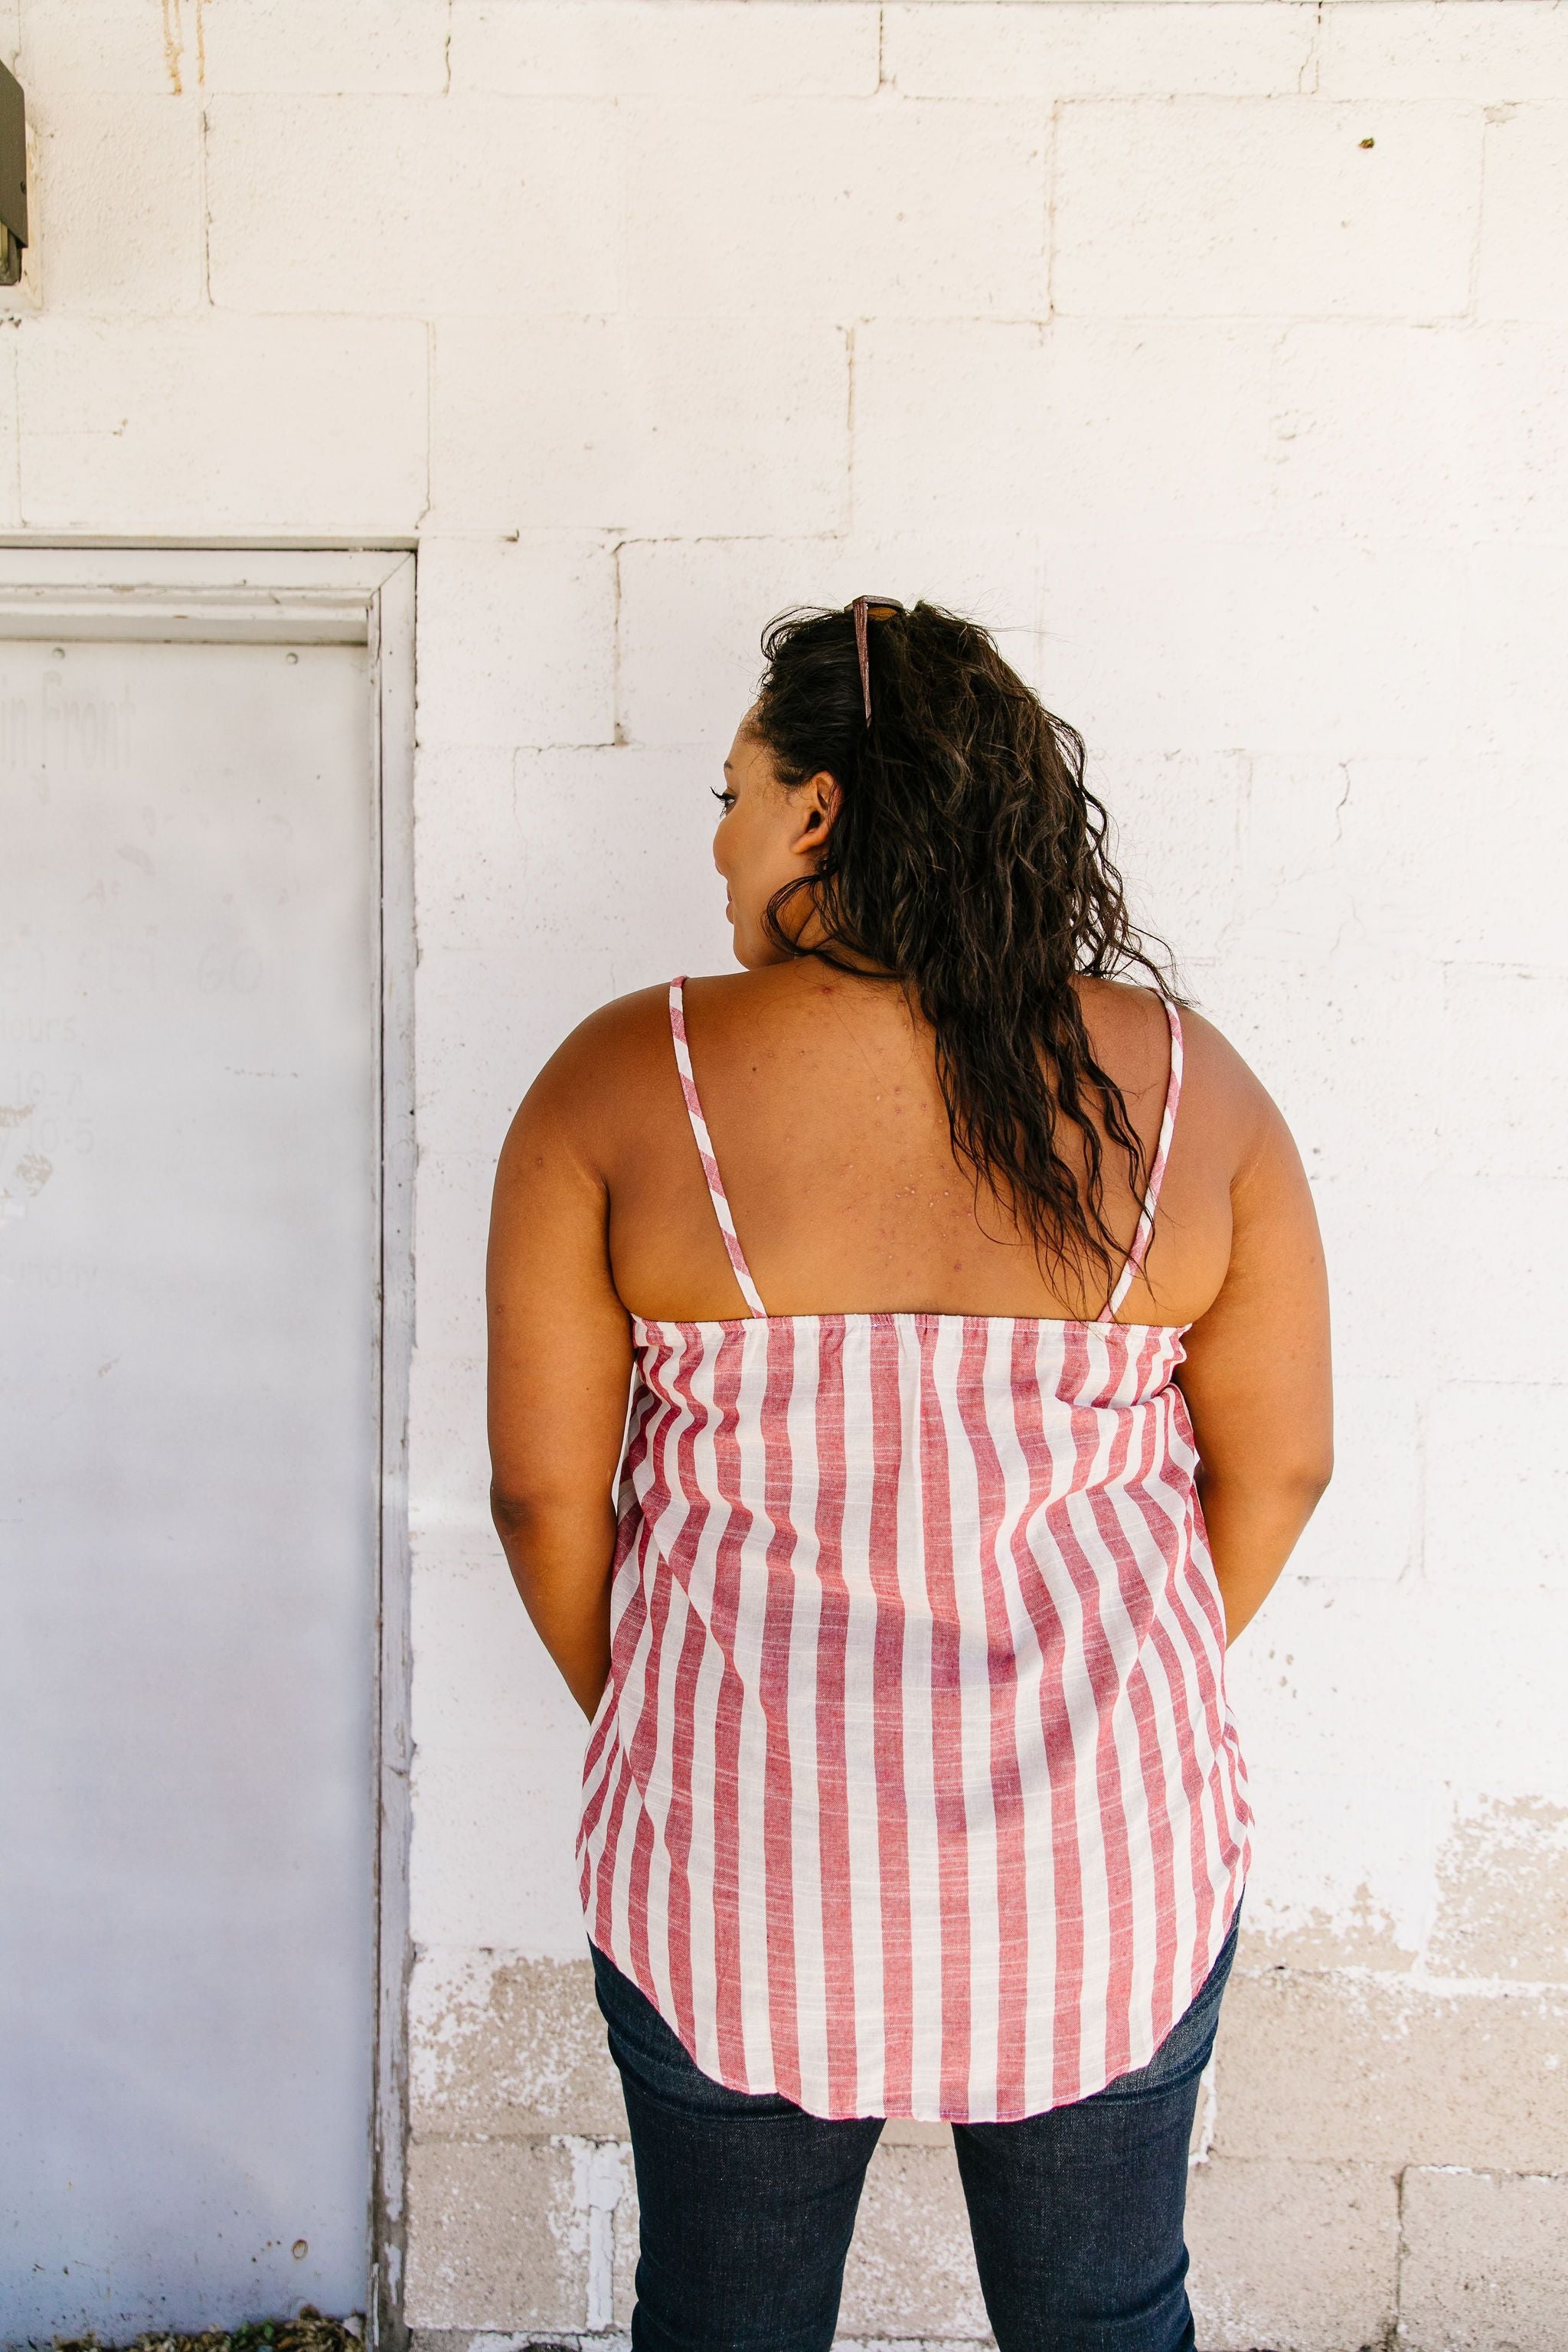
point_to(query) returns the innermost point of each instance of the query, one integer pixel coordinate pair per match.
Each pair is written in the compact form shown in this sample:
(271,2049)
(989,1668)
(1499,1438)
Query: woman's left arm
(560,1367)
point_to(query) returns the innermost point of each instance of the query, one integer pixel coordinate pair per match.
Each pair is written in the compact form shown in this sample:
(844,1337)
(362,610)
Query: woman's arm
(560,1366)
(1257,1377)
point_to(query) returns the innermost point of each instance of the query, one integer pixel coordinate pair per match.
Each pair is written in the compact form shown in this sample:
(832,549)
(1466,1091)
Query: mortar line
(1050,224)
(205,195)
(617,731)
(1473,274)
(173,45)
(16,412)
(1415,1569)
(429,422)
(1398,2253)
(1309,79)
(849,427)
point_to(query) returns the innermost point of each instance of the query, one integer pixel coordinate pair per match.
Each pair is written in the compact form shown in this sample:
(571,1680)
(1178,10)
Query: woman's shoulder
(611,1078)
(631,1033)
(618,1046)
(1223,1100)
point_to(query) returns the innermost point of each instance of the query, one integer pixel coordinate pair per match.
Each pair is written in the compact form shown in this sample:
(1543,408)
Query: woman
(910,1788)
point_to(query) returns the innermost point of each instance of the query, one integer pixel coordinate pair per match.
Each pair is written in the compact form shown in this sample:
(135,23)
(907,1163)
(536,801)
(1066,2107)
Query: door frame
(360,595)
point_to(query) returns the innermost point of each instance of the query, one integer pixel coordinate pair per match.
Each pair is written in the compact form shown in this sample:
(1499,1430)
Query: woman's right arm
(560,1360)
(1256,1377)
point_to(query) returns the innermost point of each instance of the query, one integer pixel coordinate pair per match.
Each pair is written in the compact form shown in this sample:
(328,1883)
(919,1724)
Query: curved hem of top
(917,2115)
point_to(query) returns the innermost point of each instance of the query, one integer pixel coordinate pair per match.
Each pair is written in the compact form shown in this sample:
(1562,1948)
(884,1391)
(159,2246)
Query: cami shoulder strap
(715,1182)
(1145,1234)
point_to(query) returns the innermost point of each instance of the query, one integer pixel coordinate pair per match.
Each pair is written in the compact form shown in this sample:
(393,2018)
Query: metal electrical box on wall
(13,177)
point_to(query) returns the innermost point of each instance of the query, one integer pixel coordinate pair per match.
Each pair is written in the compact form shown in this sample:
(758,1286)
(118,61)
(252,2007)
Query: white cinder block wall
(1216,355)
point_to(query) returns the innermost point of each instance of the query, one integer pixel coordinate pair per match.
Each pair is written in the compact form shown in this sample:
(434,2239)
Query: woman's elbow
(514,1511)
(1299,1482)
(1314,1473)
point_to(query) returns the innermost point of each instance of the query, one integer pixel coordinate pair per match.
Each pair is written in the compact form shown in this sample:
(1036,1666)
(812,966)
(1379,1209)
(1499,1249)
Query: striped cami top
(913,1790)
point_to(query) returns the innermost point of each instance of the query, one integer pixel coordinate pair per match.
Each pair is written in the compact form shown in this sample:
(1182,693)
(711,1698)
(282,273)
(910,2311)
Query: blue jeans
(748,2203)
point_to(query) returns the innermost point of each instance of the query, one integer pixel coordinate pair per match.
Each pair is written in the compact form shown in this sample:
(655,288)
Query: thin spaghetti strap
(1145,1234)
(715,1192)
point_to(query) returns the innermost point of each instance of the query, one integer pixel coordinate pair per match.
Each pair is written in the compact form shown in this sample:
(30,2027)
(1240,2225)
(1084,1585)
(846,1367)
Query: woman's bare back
(821,1096)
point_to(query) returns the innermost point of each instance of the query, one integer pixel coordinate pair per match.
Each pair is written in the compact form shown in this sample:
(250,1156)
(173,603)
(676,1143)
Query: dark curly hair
(969,861)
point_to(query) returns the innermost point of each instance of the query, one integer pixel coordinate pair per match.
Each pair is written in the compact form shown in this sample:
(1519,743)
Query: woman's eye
(725,800)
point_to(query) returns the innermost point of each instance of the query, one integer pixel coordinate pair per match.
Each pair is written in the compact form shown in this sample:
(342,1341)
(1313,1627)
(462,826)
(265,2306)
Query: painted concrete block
(645,902)
(492,1021)
(1368,1523)
(1301,2257)
(641,49)
(481,1664)
(1443,48)
(409,203)
(1502,1892)
(1428,878)
(1512,1267)
(1523,265)
(505,2047)
(1486,1007)
(691,612)
(1122,51)
(1175,820)
(1497,1482)
(1437,432)
(835,208)
(1287,213)
(516,641)
(1154,428)
(108,45)
(639,425)
(1397,1661)
(10,503)
(1345,1047)
(301,425)
(494,2238)
(1386,857)
(1086,427)
(296,44)
(115,199)
(911,2270)
(465,826)
(1485,2264)
(1511,612)
(1323,648)
(625,2247)
(593,877)
(690,620)
(950,422)
(492,1865)
(453,1199)
(190,47)
(452,1233)
(483,1029)
(449,1466)
(1334,1882)
(1298,898)
(1365,2069)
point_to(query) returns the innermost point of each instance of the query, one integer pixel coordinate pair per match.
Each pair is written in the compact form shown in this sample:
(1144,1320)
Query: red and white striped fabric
(913,1790)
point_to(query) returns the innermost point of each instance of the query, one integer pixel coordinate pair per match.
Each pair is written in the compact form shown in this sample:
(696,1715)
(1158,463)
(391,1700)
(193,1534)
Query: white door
(188,1283)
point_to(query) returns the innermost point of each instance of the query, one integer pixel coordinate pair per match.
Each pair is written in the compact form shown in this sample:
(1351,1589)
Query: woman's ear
(815,804)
